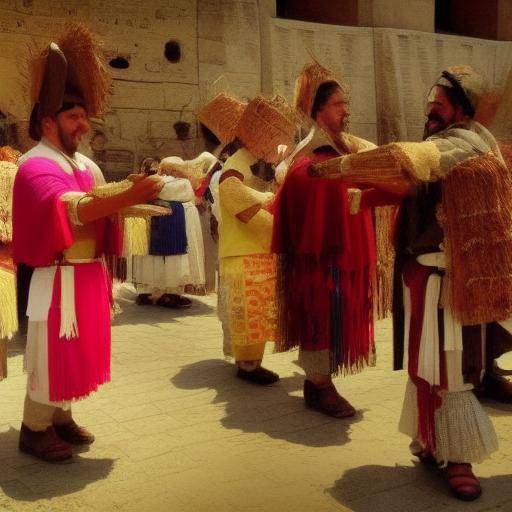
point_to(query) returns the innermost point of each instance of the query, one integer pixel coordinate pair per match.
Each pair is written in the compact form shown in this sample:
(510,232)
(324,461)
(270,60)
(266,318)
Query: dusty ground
(177,432)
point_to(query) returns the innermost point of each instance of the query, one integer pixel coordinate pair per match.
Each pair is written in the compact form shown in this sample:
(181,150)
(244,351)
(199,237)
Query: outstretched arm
(389,165)
(102,203)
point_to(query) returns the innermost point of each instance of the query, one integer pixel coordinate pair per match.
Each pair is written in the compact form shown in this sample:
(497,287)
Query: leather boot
(73,433)
(44,445)
(327,400)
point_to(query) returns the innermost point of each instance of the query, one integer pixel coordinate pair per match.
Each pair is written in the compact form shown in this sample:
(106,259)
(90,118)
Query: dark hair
(230,149)
(323,93)
(68,105)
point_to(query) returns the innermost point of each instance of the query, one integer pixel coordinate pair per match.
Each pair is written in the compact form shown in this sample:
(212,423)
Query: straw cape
(8,314)
(476,214)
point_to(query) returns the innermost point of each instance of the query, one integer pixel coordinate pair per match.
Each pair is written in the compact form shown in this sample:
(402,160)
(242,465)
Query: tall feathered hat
(468,85)
(310,79)
(264,130)
(70,71)
(221,116)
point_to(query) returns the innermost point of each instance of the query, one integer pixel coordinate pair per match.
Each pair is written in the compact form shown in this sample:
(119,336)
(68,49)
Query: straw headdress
(221,116)
(263,128)
(71,70)
(470,86)
(310,79)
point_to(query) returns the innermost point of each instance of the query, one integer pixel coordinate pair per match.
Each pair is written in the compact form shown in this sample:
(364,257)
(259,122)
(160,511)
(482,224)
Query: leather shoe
(44,445)
(259,375)
(327,400)
(73,433)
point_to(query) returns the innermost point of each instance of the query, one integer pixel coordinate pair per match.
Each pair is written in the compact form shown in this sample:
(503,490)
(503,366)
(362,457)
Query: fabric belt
(41,291)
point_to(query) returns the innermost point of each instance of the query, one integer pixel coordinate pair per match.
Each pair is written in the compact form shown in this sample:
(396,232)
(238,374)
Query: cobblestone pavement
(177,432)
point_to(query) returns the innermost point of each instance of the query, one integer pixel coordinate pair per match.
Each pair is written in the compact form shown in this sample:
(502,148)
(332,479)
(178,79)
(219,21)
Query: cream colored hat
(469,86)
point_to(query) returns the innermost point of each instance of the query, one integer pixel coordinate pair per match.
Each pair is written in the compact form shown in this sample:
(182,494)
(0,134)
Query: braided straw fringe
(8,314)
(384,219)
(136,236)
(7,175)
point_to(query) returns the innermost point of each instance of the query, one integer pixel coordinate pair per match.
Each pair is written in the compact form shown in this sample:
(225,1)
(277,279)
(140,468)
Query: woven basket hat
(310,79)
(221,116)
(263,128)
(302,122)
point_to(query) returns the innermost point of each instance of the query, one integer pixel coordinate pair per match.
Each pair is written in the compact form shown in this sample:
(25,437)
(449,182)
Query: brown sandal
(463,483)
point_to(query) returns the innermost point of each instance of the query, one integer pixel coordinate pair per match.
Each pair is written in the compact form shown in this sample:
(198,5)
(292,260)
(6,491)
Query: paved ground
(176,432)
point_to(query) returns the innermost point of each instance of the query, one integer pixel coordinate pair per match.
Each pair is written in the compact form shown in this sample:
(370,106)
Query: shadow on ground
(495,408)
(16,346)
(25,478)
(132,314)
(418,488)
(267,409)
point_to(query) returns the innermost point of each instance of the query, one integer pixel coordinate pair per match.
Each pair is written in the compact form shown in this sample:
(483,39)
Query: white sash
(40,298)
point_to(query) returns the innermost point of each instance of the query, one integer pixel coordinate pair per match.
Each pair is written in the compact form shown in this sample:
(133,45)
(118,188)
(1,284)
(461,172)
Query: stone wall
(171,53)
(152,94)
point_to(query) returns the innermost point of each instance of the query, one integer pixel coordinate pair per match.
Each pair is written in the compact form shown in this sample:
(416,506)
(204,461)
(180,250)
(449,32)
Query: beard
(69,141)
(439,125)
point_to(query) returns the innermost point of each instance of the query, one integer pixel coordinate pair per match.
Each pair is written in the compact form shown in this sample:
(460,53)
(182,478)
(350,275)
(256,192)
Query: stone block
(138,94)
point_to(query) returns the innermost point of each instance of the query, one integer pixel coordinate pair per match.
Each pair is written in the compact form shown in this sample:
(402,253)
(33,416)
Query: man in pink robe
(59,222)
